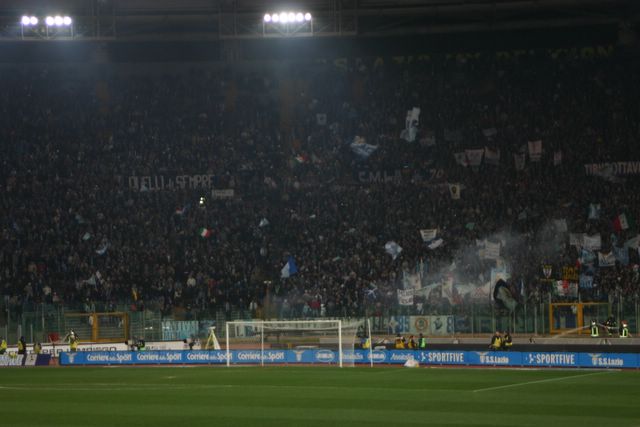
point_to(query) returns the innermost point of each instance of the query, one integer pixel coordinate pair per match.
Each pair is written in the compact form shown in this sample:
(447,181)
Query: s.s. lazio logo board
(606,360)
(488,358)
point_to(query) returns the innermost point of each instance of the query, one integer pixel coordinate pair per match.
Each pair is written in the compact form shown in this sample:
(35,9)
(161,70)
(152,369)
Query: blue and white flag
(411,125)
(586,257)
(435,244)
(102,249)
(586,281)
(370,292)
(361,148)
(289,269)
(621,255)
(594,211)
(606,259)
(393,249)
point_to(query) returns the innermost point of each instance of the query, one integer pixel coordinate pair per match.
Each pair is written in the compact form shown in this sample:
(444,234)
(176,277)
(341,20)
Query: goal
(575,317)
(98,327)
(312,341)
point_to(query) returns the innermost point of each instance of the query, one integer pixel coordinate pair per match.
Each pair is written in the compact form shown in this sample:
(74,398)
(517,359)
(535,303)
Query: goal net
(98,327)
(307,341)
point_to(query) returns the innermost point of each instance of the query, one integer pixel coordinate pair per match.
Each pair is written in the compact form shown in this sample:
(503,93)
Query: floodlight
(26,20)
(284,18)
(49,21)
(33,20)
(267,18)
(307,16)
(275,17)
(66,20)
(291,17)
(299,17)
(58,21)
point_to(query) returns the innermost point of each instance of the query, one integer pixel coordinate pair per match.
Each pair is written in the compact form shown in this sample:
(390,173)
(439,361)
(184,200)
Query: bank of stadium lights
(287,23)
(287,17)
(53,24)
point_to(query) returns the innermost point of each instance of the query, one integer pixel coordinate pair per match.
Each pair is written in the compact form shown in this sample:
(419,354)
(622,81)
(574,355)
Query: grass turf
(317,396)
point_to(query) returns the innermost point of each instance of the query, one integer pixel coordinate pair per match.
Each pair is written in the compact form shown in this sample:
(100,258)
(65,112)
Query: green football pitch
(317,396)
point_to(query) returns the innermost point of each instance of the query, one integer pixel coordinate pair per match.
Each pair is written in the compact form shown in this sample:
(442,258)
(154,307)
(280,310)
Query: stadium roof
(131,20)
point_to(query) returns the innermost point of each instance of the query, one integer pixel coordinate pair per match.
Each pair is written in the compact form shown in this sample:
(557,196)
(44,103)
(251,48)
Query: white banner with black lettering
(405,296)
(593,243)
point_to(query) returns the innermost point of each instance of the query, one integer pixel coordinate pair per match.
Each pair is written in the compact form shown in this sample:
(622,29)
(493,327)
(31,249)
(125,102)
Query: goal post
(331,341)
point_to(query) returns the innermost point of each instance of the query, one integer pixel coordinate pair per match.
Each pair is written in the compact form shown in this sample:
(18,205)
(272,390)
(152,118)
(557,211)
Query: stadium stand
(186,191)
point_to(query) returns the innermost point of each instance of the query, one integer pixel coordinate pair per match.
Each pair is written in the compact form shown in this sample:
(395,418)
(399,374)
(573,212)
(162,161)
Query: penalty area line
(548,380)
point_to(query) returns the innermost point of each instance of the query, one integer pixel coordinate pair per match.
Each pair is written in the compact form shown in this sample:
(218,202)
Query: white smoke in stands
(547,243)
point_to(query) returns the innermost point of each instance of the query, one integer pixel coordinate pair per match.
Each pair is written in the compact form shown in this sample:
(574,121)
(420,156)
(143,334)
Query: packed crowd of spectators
(78,230)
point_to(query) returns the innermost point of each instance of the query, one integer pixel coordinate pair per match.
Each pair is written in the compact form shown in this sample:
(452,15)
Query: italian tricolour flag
(204,232)
(621,222)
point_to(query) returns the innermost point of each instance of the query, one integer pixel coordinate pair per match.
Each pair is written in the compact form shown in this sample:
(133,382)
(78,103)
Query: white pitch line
(548,380)
(114,387)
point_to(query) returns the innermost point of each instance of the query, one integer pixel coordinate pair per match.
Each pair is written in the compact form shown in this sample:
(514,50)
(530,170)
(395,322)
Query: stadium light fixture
(286,17)
(29,21)
(287,23)
(59,25)
(58,21)
(55,25)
